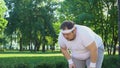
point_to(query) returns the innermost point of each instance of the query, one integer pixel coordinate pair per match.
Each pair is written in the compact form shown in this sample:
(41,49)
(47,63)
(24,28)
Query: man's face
(70,36)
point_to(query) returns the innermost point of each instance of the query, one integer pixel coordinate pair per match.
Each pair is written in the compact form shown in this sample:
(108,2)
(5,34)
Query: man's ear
(75,30)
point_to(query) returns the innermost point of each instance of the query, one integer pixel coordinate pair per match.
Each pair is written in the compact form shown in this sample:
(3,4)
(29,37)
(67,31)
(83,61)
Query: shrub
(21,65)
(1,66)
(57,64)
(61,64)
(45,65)
(111,62)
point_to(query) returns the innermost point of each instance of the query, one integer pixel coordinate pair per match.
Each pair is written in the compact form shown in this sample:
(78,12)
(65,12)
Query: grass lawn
(11,59)
(29,55)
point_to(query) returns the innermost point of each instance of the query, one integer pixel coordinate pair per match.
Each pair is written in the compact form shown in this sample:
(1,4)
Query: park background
(29,30)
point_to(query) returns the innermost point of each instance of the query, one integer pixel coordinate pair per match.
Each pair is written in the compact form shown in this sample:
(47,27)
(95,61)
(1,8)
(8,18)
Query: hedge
(109,62)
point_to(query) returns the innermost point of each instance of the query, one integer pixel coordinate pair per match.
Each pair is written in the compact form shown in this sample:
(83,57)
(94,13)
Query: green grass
(29,55)
(14,58)
(10,59)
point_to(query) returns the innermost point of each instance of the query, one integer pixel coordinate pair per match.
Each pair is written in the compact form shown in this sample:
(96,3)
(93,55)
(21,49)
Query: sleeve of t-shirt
(61,42)
(86,37)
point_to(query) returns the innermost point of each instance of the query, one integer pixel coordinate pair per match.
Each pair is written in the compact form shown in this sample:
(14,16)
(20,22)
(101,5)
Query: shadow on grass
(56,61)
(29,52)
(33,62)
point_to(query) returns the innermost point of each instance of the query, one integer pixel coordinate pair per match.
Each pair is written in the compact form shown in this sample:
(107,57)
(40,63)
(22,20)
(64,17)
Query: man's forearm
(68,57)
(93,56)
(66,54)
(93,59)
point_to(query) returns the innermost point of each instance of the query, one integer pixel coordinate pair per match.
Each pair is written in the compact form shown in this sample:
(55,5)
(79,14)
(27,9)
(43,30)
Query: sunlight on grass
(28,55)
(18,54)
(106,53)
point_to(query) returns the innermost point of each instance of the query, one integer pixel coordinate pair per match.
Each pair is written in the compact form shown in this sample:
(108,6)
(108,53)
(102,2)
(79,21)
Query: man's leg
(79,63)
(99,59)
(100,56)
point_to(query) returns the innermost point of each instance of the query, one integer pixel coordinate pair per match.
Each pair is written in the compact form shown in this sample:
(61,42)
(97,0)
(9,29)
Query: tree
(111,39)
(94,14)
(119,24)
(31,20)
(3,21)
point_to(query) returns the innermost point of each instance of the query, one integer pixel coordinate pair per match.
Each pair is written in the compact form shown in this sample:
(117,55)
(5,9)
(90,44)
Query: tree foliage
(119,25)
(36,22)
(100,15)
(3,21)
(32,21)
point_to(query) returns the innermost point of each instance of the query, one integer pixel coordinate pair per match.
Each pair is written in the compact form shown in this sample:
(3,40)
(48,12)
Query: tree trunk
(10,43)
(31,47)
(20,44)
(119,24)
(115,43)
(43,45)
(37,45)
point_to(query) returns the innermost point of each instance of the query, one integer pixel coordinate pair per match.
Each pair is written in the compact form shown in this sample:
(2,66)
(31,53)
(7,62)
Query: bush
(1,66)
(61,64)
(45,65)
(21,65)
(57,64)
(53,62)
(111,62)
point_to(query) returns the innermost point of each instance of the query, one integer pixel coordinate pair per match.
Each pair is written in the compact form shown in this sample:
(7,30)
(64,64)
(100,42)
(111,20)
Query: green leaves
(84,17)
(94,14)
(3,8)
(3,22)
(31,20)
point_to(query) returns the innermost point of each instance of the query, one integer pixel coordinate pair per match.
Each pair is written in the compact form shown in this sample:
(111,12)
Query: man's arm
(93,53)
(68,57)
(65,53)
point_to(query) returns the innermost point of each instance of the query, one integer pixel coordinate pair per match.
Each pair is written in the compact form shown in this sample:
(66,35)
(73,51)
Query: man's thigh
(79,63)
(99,59)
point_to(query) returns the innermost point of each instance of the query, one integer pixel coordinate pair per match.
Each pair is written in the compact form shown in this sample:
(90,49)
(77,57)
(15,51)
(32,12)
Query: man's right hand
(72,65)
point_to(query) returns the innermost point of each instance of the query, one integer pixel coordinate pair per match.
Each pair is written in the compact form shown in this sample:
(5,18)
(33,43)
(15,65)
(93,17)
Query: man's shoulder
(82,26)
(60,35)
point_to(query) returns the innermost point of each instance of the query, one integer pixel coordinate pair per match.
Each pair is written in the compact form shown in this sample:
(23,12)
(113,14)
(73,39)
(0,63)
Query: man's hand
(72,65)
(92,67)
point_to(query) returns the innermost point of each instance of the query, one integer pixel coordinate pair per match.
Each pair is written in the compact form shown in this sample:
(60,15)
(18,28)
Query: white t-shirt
(84,37)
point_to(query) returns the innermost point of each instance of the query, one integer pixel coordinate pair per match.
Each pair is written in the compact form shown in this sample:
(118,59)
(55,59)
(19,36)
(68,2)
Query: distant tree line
(100,15)
(3,21)
(31,22)
(36,22)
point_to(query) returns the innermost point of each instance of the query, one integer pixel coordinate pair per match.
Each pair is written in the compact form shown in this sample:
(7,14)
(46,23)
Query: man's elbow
(63,49)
